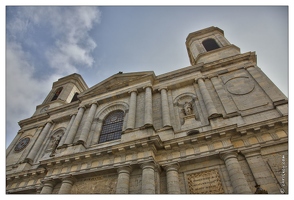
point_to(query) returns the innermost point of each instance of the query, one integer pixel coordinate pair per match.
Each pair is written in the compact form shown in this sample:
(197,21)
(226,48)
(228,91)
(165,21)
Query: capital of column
(94,102)
(246,66)
(48,183)
(162,88)
(148,165)
(212,76)
(133,90)
(227,155)
(69,179)
(49,122)
(74,114)
(172,167)
(199,78)
(124,169)
(251,152)
(148,86)
(82,107)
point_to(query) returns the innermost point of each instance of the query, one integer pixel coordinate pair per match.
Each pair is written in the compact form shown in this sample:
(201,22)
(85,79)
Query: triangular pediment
(117,81)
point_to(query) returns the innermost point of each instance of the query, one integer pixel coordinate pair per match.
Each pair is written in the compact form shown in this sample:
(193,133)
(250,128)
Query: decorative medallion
(240,85)
(22,144)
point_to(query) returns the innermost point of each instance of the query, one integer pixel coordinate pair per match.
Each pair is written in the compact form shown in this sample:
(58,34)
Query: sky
(43,44)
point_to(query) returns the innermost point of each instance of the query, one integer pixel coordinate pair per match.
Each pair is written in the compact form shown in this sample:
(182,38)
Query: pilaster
(132,110)
(165,108)
(148,118)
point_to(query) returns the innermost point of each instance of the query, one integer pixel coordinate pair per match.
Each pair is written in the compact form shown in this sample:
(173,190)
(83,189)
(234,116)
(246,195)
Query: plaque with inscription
(207,182)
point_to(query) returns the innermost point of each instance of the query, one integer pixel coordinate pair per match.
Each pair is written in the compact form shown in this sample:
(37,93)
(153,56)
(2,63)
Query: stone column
(66,185)
(165,108)
(39,142)
(73,129)
(172,179)
(48,187)
(260,171)
(61,143)
(207,99)
(237,178)
(123,180)
(148,119)
(132,110)
(148,178)
(87,125)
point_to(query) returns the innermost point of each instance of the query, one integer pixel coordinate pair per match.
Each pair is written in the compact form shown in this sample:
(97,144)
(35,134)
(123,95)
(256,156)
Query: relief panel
(104,184)
(206,182)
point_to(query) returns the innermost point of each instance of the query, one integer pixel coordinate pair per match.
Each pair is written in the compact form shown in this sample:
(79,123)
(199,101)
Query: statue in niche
(55,142)
(188,108)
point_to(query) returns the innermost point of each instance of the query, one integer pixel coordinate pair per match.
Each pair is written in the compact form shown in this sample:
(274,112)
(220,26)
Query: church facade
(219,126)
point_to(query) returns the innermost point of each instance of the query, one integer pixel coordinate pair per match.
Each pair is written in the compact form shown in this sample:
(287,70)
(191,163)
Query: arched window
(57,92)
(75,97)
(112,126)
(210,44)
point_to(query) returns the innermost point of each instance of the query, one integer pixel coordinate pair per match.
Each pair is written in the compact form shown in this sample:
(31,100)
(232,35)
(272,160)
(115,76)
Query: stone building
(217,126)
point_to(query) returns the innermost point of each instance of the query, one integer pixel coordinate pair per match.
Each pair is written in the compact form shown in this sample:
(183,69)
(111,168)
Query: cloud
(23,91)
(43,44)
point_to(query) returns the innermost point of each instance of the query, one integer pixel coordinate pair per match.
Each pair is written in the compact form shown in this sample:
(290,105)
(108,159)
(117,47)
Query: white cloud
(68,28)
(23,91)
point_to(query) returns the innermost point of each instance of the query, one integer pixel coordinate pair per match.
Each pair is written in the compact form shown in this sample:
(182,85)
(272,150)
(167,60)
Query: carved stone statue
(55,143)
(188,108)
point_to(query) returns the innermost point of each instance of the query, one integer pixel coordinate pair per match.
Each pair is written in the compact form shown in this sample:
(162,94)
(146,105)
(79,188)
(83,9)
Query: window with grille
(112,126)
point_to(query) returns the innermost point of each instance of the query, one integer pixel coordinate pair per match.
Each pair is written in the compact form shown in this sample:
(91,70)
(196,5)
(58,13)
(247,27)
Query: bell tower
(208,45)
(64,91)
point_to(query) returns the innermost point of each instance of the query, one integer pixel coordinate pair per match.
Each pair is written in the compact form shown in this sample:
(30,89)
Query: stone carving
(54,144)
(240,85)
(188,108)
(207,182)
(96,185)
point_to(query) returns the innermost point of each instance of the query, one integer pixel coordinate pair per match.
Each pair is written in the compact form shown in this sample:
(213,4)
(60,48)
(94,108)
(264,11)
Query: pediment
(117,81)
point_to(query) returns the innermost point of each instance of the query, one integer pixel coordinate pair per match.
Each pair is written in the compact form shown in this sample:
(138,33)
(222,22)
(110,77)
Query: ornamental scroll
(208,182)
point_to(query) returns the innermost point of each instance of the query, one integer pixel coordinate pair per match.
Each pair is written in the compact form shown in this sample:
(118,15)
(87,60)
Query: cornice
(73,78)
(203,32)
(249,56)
(27,173)
(34,119)
(48,114)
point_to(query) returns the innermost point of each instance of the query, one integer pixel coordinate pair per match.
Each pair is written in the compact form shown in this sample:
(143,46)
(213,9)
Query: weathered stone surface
(181,131)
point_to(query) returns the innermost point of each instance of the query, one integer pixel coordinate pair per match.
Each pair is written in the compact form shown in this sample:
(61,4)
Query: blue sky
(44,44)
